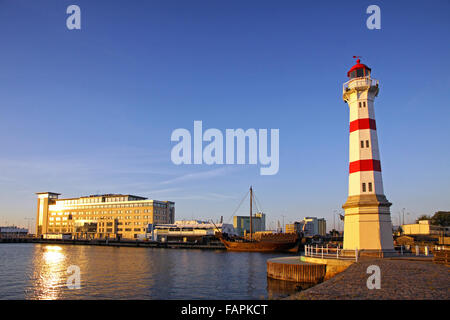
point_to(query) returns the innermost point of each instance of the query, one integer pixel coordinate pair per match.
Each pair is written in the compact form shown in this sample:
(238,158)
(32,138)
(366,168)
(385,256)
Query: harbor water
(40,271)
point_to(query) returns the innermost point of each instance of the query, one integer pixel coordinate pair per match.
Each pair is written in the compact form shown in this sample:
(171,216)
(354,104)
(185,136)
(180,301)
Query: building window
(367,143)
(360,104)
(370,186)
(362,143)
(364,104)
(364,187)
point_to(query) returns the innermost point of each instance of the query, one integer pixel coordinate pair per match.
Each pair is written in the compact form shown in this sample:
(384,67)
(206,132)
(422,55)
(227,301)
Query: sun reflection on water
(51,273)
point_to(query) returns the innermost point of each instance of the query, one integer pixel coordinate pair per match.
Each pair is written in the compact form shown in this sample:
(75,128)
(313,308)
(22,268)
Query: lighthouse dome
(358,70)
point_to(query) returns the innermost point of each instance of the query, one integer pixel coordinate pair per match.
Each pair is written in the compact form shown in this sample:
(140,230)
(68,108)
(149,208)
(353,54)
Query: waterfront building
(190,230)
(314,226)
(424,227)
(367,222)
(295,227)
(13,232)
(309,226)
(100,216)
(242,223)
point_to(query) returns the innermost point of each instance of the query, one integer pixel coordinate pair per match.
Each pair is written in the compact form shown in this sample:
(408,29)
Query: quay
(121,243)
(294,269)
(322,264)
(401,279)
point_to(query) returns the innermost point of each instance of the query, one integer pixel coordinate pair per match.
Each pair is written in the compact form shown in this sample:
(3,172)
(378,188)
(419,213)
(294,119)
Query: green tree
(441,218)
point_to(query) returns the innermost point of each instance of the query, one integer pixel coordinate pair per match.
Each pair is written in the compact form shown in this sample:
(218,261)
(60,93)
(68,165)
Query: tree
(441,218)
(423,217)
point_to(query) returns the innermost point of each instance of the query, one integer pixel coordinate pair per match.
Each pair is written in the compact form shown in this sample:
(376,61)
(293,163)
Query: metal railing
(416,250)
(330,253)
(359,82)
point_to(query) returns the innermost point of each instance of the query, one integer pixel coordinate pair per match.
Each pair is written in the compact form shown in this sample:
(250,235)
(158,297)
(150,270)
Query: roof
(357,66)
(103,195)
(110,195)
(48,192)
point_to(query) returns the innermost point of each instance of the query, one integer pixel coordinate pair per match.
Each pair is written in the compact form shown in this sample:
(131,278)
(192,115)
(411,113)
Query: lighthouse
(367,222)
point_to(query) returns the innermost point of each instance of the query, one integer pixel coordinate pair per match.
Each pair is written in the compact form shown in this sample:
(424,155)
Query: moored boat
(277,242)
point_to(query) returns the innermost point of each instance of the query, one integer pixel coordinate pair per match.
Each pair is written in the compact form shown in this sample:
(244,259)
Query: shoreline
(121,243)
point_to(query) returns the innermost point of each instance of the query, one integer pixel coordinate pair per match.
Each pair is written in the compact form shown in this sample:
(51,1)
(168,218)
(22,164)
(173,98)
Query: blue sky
(92,110)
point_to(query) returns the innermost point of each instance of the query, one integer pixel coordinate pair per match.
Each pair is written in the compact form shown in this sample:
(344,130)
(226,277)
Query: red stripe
(366,123)
(365,165)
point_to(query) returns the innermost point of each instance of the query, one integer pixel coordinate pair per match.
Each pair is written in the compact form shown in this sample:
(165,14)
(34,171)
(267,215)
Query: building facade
(367,222)
(190,230)
(424,227)
(241,224)
(13,232)
(309,227)
(114,216)
(295,227)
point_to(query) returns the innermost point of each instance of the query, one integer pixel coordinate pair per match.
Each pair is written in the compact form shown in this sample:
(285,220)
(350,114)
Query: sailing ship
(260,242)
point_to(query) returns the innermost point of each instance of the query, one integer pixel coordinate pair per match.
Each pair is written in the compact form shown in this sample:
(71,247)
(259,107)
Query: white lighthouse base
(368,226)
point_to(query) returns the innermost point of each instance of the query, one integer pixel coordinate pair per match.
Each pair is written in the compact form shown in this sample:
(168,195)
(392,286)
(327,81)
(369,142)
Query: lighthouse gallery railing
(359,82)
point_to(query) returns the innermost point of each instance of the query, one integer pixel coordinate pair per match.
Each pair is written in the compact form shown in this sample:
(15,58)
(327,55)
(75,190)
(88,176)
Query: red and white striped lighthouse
(367,223)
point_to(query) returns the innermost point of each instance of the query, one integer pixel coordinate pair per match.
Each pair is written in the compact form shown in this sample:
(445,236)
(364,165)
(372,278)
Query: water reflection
(278,289)
(37,271)
(50,269)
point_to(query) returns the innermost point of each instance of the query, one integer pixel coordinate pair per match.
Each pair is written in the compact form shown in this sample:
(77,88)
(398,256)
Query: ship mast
(251,218)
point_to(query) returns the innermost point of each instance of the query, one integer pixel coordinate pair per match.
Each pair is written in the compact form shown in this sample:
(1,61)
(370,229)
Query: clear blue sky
(92,110)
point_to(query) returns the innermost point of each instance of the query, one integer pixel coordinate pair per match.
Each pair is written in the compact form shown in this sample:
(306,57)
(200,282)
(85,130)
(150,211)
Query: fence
(330,253)
(359,82)
(416,250)
(326,252)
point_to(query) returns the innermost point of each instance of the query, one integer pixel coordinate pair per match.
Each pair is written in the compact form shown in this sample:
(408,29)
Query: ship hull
(261,246)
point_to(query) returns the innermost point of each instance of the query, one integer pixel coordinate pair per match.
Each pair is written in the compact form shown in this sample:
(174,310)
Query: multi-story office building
(314,226)
(309,226)
(241,224)
(100,216)
(295,227)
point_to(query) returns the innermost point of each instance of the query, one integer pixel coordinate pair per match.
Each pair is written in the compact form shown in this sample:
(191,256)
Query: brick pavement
(400,279)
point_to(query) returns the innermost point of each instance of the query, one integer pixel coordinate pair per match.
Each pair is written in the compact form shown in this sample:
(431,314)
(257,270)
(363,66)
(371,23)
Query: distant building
(424,227)
(309,226)
(241,224)
(295,227)
(189,230)
(315,226)
(100,216)
(13,232)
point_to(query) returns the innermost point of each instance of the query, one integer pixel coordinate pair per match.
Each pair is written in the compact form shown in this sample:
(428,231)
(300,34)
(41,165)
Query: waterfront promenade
(400,280)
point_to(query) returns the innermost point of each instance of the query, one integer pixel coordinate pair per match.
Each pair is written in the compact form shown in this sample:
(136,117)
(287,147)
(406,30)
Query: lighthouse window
(370,186)
(367,143)
(362,143)
(360,104)
(364,104)
(364,187)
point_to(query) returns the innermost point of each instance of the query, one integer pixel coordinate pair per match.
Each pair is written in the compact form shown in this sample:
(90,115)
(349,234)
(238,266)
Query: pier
(293,269)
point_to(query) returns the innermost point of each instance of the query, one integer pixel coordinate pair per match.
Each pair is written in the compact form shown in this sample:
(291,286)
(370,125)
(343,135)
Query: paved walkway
(399,280)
